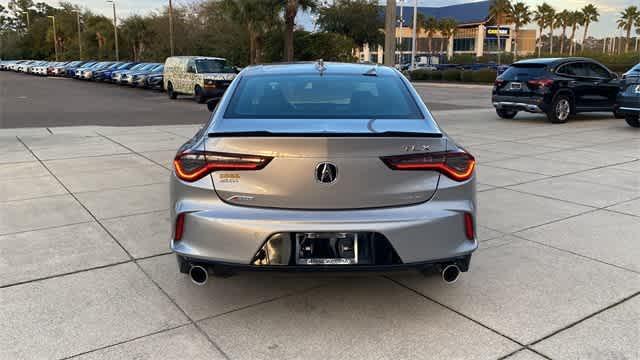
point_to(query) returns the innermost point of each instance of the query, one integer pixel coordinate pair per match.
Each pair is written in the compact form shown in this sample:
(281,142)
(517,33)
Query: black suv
(558,87)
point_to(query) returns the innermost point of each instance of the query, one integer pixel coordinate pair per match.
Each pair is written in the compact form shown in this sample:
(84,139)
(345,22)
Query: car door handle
(573,83)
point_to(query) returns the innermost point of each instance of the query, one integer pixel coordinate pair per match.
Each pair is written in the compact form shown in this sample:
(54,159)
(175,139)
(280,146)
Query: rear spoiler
(407,134)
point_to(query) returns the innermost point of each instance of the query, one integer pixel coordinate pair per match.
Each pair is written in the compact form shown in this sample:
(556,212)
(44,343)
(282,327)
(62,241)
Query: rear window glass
(524,72)
(322,97)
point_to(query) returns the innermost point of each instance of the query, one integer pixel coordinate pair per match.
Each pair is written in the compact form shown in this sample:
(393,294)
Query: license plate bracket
(515,86)
(326,248)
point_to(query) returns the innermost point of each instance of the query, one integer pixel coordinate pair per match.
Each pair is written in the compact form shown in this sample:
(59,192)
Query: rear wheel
(560,110)
(506,114)
(198,95)
(633,120)
(170,92)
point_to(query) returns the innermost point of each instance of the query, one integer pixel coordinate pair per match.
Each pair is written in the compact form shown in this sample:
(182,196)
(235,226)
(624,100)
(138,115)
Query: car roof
(313,67)
(553,61)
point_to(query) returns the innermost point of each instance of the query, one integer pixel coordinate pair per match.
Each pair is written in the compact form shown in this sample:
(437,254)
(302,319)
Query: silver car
(326,167)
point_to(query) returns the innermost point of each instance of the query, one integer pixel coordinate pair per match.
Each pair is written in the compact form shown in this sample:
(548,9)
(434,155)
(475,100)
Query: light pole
(414,34)
(401,3)
(55,35)
(390,33)
(115,27)
(79,33)
(171,27)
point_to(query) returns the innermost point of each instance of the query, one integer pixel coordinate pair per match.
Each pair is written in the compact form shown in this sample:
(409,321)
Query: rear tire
(170,93)
(198,95)
(560,110)
(506,114)
(633,120)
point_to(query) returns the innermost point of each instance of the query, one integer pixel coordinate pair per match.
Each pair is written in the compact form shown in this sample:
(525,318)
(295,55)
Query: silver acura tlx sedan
(322,166)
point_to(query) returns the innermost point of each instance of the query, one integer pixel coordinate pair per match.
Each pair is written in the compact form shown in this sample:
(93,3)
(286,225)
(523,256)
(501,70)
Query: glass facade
(491,44)
(468,44)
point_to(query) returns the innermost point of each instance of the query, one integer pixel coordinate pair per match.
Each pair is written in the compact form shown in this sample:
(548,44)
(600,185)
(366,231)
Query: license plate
(515,86)
(319,248)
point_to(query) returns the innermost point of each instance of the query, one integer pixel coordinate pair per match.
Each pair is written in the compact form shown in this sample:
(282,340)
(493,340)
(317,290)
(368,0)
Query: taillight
(457,165)
(194,165)
(177,235)
(537,83)
(498,83)
(468,226)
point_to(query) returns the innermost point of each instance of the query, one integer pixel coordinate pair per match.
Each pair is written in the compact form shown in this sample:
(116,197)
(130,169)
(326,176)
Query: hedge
(484,75)
(467,76)
(451,75)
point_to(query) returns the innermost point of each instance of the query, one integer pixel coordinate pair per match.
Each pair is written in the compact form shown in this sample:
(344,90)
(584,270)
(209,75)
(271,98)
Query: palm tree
(563,20)
(521,16)
(257,17)
(540,18)
(499,10)
(627,19)
(448,29)
(291,8)
(550,19)
(431,26)
(576,19)
(591,14)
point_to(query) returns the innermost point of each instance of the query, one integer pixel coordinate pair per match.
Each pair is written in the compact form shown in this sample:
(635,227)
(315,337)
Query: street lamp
(115,27)
(171,27)
(55,35)
(414,35)
(79,33)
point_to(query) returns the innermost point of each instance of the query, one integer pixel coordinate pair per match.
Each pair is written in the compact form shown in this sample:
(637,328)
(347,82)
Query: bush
(484,75)
(451,75)
(420,74)
(435,75)
(466,76)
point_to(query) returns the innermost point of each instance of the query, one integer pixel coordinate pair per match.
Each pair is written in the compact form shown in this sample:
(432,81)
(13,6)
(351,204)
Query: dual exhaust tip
(200,275)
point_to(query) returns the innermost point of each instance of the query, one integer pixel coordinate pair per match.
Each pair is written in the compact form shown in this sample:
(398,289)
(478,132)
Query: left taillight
(177,234)
(457,165)
(194,165)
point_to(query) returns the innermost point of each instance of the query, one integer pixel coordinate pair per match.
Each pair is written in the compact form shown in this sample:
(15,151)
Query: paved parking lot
(85,270)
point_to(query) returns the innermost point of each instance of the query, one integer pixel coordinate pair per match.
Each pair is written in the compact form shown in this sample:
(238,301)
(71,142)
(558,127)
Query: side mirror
(212,103)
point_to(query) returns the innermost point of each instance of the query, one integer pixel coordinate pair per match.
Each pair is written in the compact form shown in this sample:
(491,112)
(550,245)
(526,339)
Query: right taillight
(194,165)
(457,165)
(538,83)
(468,226)
(177,234)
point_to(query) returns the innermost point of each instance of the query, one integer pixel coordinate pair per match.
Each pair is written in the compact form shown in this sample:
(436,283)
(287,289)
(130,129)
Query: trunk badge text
(416,148)
(326,173)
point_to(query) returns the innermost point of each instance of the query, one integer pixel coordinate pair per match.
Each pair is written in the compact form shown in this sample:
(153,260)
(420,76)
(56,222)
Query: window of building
(468,44)
(491,44)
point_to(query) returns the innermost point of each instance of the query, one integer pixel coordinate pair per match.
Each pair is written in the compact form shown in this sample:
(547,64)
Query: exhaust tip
(450,273)
(199,275)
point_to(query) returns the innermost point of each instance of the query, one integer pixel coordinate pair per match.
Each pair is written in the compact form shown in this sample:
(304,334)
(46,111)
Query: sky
(609,9)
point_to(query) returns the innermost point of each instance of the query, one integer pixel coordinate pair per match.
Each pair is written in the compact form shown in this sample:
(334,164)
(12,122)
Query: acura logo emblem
(326,173)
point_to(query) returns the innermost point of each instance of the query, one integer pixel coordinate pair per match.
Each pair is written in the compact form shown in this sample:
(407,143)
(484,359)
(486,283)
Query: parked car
(139,78)
(87,74)
(628,100)
(80,69)
(116,75)
(71,71)
(61,69)
(127,77)
(557,87)
(154,81)
(105,75)
(197,76)
(252,191)
(633,72)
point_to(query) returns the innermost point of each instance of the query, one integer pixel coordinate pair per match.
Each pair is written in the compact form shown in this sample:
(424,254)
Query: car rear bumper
(429,232)
(529,104)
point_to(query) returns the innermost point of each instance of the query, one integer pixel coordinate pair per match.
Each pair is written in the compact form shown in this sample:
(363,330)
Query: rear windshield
(322,97)
(524,72)
(213,66)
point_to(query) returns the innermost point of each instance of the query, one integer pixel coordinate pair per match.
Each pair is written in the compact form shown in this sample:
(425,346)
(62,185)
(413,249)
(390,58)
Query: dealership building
(476,34)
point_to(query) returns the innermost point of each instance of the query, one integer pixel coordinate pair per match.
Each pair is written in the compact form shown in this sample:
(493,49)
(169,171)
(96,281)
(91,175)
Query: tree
(627,19)
(500,11)
(257,17)
(430,26)
(291,8)
(591,14)
(521,16)
(576,18)
(550,20)
(136,32)
(540,18)
(563,20)
(359,20)
(448,28)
